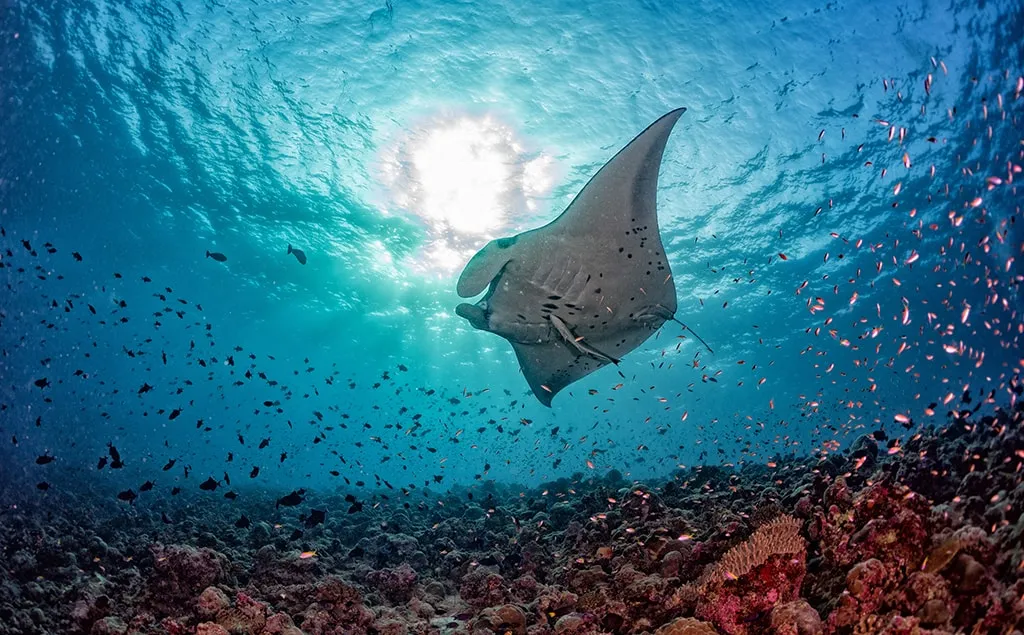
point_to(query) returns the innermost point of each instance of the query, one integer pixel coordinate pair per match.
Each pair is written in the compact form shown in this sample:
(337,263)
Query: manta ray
(590,286)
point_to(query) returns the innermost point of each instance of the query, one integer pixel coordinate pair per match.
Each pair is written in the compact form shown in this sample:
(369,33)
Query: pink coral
(735,605)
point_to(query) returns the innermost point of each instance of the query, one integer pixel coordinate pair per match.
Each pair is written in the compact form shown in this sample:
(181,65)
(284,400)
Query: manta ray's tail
(694,333)
(665,314)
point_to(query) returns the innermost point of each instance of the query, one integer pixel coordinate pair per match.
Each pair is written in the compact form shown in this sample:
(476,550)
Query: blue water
(390,141)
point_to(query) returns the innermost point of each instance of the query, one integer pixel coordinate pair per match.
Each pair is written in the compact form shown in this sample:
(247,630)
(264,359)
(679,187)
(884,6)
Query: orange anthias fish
(305,555)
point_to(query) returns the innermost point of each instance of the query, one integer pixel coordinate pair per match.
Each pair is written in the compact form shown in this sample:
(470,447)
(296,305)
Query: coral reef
(860,542)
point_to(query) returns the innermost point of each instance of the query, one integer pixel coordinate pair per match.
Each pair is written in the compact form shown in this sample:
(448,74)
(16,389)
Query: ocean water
(839,205)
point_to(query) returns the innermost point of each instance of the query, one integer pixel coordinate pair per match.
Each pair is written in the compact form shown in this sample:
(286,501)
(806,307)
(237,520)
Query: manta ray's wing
(550,368)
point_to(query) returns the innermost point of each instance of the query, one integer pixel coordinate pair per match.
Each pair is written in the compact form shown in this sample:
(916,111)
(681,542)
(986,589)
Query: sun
(464,174)
(467,179)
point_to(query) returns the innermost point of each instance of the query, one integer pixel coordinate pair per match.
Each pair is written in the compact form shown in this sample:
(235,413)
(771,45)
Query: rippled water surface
(839,204)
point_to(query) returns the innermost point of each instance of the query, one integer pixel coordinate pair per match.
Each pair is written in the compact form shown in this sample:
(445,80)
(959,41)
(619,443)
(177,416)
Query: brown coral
(778,537)
(686,626)
(941,556)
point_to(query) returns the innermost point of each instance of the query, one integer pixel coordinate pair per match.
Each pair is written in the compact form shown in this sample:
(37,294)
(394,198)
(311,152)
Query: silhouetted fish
(115,458)
(127,495)
(216,255)
(316,517)
(298,253)
(209,485)
(145,487)
(356,505)
(243,522)
(293,499)
(44,459)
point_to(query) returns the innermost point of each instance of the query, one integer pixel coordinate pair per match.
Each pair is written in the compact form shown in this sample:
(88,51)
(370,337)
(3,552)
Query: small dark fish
(127,496)
(316,517)
(145,487)
(255,472)
(243,522)
(43,486)
(102,464)
(115,457)
(216,255)
(42,383)
(144,388)
(44,459)
(174,414)
(175,491)
(356,505)
(170,464)
(264,443)
(298,253)
(293,499)
(77,256)
(295,535)
(209,485)
(231,496)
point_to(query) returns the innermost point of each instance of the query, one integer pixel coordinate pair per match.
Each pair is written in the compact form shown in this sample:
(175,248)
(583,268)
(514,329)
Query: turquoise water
(390,141)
